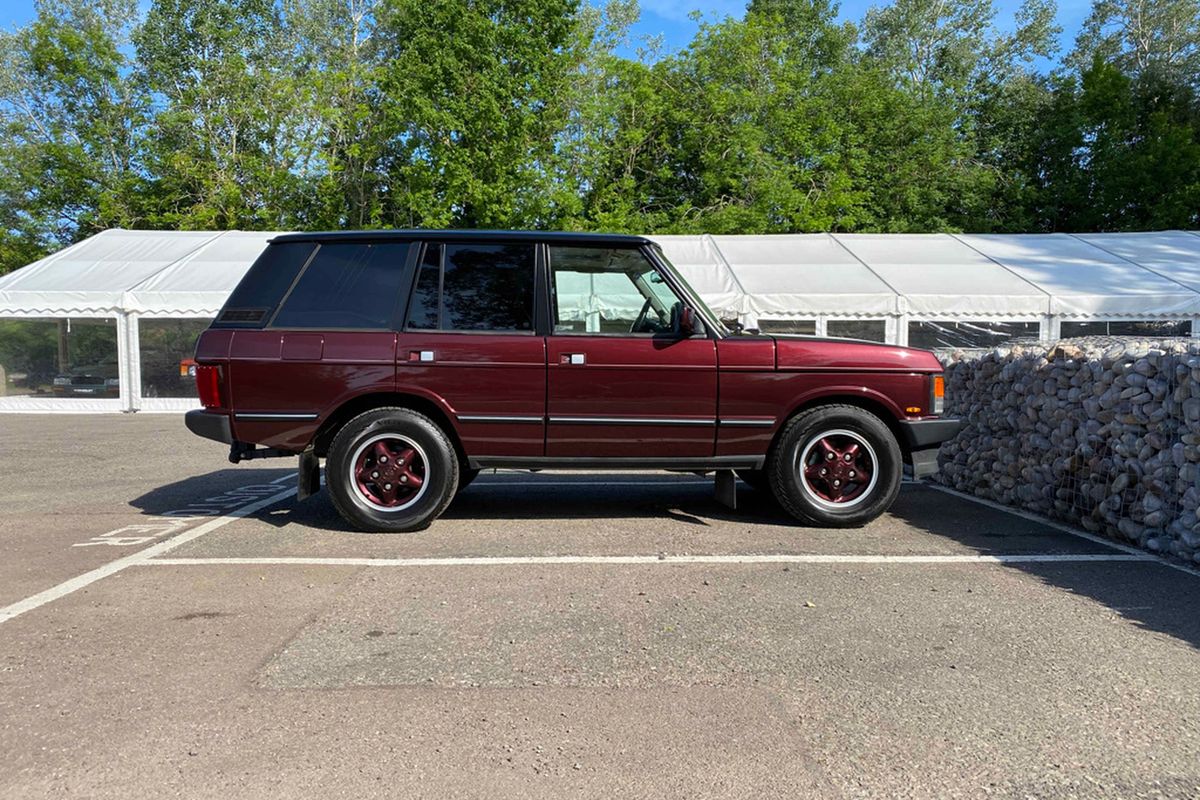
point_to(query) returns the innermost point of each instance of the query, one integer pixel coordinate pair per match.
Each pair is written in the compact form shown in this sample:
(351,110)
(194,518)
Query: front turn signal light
(939,394)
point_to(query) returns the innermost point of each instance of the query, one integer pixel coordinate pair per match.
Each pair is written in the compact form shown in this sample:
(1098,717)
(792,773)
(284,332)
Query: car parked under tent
(108,324)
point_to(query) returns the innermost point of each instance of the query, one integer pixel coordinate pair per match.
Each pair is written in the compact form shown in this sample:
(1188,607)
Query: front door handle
(572,358)
(420,355)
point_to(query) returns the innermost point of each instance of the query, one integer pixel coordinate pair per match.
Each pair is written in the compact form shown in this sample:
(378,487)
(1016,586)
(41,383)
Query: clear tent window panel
(943,334)
(807,327)
(871,330)
(68,358)
(166,348)
(1147,328)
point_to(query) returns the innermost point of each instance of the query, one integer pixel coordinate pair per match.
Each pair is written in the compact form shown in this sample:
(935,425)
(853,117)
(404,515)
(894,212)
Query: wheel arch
(365,402)
(860,397)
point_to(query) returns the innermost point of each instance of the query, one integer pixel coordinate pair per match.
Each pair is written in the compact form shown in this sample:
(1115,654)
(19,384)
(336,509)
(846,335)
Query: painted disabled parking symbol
(177,520)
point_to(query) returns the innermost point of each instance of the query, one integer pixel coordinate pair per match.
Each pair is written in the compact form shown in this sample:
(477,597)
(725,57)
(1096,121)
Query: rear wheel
(836,466)
(391,470)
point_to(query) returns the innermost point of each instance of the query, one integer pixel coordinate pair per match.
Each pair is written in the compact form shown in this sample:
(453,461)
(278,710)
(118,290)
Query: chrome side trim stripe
(631,421)
(745,422)
(271,415)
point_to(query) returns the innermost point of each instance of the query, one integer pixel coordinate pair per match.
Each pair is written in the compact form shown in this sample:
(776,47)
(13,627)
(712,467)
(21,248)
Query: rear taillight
(208,383)
(939,394)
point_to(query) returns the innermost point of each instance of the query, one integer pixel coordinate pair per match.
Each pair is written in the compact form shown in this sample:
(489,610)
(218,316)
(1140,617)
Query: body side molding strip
(631,421)
(271,415)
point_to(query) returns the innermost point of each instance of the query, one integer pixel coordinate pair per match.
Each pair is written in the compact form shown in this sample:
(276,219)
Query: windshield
(699,305)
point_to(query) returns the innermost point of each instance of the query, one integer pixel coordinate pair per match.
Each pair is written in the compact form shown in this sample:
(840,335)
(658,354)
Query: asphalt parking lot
(173,625)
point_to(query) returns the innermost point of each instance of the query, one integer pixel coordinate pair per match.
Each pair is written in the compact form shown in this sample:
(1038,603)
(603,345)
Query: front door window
(609,291)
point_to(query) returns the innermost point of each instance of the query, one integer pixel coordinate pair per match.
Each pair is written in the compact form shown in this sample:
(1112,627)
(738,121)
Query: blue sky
(669,18)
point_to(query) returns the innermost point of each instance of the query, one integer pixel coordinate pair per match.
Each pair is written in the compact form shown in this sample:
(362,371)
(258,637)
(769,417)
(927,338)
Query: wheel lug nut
(837,483)
(851,473)
(829,456)
(374,474)
(847,457)
(387,486)
(383,459)
(823,471)
(404,479)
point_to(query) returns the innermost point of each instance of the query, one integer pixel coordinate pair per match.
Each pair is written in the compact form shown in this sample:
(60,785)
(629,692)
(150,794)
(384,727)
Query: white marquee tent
(924,289)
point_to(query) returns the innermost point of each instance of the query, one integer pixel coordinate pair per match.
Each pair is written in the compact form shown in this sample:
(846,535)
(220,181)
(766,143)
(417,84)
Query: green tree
(467,118)
(70,124)
(227,150)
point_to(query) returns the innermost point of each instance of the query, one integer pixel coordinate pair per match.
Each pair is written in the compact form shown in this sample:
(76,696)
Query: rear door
(621,383)
(470,341)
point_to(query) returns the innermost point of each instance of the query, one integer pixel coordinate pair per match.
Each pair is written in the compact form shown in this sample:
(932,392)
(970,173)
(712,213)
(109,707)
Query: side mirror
(683,320)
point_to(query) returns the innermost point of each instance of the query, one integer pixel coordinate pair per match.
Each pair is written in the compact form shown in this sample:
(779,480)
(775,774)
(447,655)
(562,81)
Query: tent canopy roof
(935,276)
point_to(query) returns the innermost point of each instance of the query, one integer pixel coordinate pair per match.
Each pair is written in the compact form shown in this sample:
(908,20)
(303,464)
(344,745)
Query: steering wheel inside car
(639,324)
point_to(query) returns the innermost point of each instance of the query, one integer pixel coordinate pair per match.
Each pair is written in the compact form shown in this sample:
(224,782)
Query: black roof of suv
(512,236)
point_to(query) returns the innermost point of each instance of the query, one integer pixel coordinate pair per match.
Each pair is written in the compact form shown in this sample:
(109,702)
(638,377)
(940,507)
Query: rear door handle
(572,358)
(420,355)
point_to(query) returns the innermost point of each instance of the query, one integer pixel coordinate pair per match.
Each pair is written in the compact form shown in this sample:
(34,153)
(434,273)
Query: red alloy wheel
(389,472)
(838,468)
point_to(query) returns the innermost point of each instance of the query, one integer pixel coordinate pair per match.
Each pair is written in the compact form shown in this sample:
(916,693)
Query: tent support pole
(124,377)
(135,362)
(1050,329)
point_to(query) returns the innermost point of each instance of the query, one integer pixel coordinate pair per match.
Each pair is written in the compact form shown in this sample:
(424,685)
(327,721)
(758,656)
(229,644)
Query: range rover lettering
(411,360)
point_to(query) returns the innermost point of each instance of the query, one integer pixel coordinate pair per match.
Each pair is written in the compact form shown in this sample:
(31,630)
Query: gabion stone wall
(1100,432)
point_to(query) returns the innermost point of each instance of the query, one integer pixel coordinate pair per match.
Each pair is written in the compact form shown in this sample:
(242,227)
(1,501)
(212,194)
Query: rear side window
(474,287)
(253,301)
(354,286)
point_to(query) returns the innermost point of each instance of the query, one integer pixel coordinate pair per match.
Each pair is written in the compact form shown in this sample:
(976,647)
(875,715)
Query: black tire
(408,436)
(831,430)
(465,476)
(756,479)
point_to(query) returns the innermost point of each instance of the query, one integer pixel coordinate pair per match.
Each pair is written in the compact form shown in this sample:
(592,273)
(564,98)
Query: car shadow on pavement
(222,490)
(1149,594)
(691,503)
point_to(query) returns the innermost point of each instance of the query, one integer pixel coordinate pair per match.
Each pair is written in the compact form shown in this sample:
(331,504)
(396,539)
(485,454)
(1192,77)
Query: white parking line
(133,559)
(782,558)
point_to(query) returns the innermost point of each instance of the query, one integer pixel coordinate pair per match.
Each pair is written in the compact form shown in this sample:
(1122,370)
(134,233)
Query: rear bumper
(210,425)
(922,438)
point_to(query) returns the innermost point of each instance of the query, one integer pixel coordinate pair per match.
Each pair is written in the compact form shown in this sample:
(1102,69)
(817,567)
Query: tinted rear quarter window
(253,301)
(351,285)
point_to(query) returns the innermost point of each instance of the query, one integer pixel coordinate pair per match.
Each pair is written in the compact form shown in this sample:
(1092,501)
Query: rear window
(474,287)
(253,301)
(355,286)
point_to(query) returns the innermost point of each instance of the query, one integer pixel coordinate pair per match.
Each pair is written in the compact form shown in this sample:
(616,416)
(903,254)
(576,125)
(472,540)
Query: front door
(621,383)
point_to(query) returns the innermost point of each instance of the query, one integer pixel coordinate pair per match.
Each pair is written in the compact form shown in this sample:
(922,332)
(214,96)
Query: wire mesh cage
(1101,432)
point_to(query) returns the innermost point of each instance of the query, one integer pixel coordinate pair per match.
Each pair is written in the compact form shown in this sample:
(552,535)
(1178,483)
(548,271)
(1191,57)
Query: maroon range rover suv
(411,360)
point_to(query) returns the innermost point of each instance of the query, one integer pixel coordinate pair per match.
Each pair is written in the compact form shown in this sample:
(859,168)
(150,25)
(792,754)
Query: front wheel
(836,466)
(391,470)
